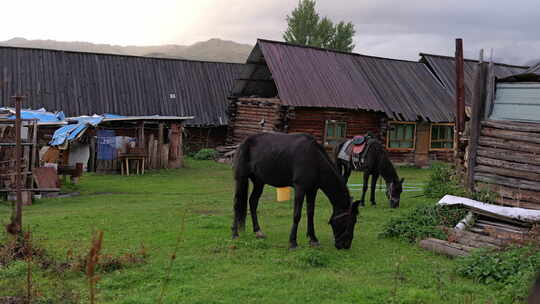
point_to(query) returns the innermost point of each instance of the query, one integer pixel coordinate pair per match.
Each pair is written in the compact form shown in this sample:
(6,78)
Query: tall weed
(511,270)
(423,222)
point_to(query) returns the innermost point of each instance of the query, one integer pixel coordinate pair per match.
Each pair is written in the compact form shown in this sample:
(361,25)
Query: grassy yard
(211,268)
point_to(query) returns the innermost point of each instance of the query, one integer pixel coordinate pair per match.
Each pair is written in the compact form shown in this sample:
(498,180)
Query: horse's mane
(385,164)
(332,166)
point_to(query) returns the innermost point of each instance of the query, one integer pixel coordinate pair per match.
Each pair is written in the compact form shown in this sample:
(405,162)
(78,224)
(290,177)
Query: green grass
(211,268)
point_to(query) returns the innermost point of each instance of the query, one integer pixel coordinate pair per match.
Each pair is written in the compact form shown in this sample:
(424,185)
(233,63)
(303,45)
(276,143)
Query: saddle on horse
(355,150)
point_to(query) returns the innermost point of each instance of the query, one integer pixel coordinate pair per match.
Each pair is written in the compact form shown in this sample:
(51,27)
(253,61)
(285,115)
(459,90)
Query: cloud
(392,28)
(399,29)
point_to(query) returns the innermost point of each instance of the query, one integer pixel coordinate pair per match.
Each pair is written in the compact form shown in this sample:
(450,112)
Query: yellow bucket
(283,194)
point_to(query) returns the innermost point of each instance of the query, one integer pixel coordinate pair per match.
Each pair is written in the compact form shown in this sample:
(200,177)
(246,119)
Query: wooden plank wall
(508,162)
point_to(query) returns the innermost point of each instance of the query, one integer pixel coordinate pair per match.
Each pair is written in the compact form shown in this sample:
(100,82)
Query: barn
(79,83)
(335,95)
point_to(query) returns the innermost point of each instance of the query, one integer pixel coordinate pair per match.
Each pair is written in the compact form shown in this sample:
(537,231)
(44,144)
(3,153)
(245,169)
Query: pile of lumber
(461,243)
(226,153)
(483,233)
(505,232)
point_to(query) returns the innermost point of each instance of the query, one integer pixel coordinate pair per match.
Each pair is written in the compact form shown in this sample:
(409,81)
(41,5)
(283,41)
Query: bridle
(347,213)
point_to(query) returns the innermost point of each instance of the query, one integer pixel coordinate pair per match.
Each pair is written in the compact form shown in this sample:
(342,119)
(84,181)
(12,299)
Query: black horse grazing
(296,160)
(376,162)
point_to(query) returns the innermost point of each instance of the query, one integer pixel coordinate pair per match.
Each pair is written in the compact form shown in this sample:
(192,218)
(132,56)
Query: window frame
(446,124)
(390,123)
(335,123)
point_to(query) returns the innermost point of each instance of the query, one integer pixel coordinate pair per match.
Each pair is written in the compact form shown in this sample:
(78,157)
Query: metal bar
(18,176)
(35,157)
(34,190)
(14,144)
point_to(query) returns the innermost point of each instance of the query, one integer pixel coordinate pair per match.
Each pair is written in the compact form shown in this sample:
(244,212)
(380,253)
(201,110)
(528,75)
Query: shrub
(423,222)
(442,181)
(511,270)
(206,154)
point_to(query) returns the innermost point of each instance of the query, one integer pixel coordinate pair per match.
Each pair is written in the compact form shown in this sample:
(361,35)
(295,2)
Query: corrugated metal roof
(314,77)
(444,68)
(408,88)
(311,77)
(86,83)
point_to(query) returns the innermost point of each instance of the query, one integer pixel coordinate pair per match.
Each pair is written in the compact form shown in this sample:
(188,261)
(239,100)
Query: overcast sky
(397,29)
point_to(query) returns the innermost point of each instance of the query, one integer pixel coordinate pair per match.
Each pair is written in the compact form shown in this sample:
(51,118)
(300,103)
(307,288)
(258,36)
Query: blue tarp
(71,131)
(106,144)
(41,115)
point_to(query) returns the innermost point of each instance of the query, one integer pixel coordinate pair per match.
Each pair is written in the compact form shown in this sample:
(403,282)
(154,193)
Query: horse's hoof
(293,246)
(260,235)
(314,244)
(373,204)
(235,236)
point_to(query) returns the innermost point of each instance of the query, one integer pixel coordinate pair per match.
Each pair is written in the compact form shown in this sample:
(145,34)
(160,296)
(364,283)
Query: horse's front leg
(253,204)
(299,194)
(310,198)
(374,178)
(364,188)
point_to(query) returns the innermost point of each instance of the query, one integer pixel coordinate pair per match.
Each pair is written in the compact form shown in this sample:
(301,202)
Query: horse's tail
(241,163)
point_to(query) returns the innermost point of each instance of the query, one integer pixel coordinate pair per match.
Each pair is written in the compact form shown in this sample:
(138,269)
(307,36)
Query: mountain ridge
(214,49)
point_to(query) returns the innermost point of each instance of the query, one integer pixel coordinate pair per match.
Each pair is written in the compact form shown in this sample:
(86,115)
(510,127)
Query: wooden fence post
(476,117)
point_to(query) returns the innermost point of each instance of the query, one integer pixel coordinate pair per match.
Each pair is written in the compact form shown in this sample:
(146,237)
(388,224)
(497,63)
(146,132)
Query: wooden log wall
(508,162)
(312,121)
(248,116)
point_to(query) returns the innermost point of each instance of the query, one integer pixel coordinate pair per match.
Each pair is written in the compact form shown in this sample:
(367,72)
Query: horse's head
(393,192)
(343,226)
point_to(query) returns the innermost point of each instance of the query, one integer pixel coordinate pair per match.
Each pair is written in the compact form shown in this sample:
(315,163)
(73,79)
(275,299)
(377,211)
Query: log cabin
(83,83)
(335,95)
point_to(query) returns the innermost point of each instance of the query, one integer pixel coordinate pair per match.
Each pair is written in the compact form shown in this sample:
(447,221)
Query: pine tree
(307,28)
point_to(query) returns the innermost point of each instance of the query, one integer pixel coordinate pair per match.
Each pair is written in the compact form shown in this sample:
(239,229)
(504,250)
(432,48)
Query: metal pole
(18,177)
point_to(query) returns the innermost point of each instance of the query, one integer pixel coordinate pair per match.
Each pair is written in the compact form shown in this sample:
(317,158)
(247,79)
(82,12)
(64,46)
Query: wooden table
(124,162)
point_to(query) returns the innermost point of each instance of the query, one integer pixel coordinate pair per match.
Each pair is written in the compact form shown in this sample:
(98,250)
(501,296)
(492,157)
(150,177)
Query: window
(401,135)
(335,132)
(442,136)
